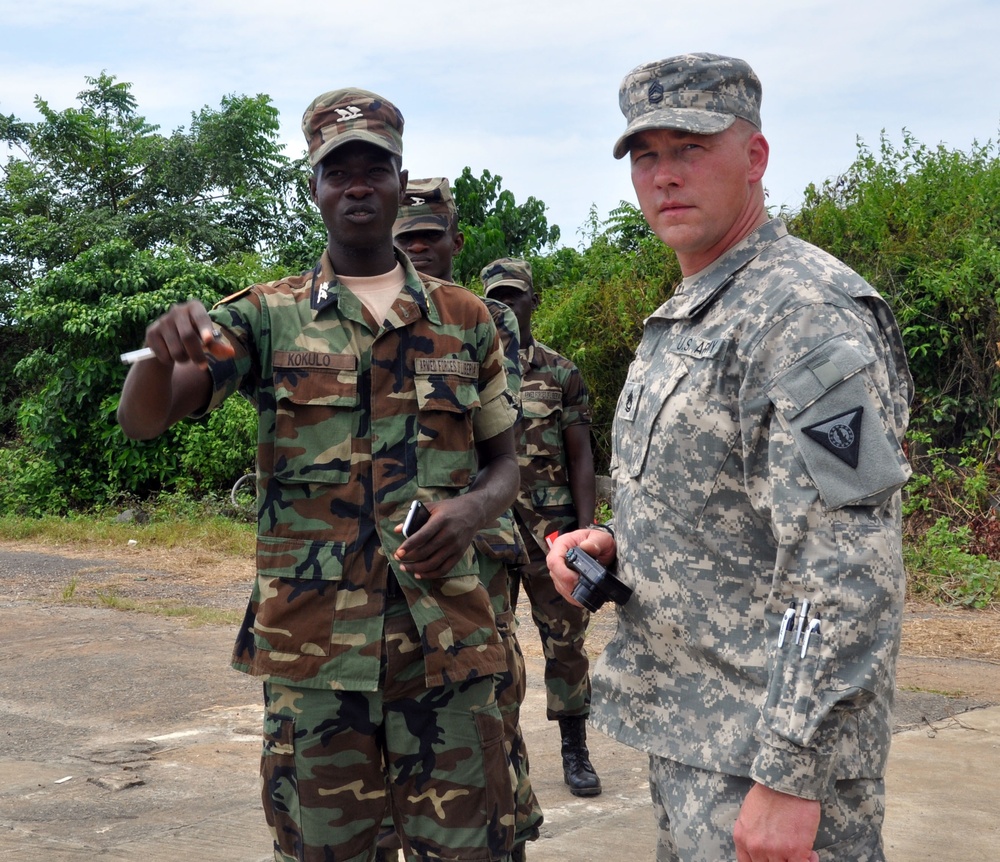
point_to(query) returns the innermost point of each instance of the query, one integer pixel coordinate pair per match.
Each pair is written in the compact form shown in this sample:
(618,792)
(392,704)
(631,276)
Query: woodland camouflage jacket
(355,421)
(553,397)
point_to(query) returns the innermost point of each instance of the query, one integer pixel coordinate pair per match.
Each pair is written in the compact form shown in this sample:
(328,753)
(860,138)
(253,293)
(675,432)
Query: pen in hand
(143,353)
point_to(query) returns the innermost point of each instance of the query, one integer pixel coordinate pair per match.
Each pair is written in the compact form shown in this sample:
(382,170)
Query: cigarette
(143,353)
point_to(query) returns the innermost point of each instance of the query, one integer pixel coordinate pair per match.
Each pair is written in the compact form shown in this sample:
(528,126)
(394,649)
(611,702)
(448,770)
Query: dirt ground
(947,653)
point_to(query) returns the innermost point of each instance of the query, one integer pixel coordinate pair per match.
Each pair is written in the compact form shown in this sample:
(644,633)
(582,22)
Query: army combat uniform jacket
(355,422)
(553,397)
(758,461)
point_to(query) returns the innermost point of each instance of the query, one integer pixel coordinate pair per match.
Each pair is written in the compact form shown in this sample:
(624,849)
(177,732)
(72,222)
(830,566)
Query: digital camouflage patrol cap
(427,205)
(701,93)
(351,114)
(506,272)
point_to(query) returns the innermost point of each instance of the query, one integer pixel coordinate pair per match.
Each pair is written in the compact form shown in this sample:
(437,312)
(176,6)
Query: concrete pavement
(126,738)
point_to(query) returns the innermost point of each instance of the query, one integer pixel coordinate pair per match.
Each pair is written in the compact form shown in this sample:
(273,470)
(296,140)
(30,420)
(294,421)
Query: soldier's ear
(757,157)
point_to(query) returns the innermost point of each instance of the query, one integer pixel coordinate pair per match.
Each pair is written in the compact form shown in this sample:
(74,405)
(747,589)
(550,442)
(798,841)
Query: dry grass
(931,632)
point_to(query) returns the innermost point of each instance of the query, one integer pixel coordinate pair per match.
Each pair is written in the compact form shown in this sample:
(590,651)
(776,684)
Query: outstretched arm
(161,391)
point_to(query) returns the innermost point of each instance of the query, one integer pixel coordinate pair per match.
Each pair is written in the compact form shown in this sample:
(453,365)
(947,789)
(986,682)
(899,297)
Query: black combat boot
(578,772)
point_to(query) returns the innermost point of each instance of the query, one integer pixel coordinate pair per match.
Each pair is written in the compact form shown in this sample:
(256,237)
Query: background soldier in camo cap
(376,386)
(557,494)
(758,464)
(427,230)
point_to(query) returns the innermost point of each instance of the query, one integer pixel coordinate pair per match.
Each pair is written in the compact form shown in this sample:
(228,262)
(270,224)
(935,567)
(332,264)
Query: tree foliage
(103,224)
(593,304)
(495,225)
(83,314)
(100,171)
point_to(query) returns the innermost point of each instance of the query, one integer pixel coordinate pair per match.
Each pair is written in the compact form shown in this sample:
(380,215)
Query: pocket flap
(818,372)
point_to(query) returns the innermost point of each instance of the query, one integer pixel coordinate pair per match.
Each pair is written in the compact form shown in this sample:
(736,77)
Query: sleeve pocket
(829,402)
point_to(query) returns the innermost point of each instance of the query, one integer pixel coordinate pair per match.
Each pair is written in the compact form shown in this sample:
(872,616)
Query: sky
(528,89)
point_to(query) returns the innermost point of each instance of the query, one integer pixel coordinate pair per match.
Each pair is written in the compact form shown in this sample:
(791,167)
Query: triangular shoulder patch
(840,435)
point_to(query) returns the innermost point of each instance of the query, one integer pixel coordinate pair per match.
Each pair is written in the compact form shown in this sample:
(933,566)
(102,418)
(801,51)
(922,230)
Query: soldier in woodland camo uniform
(557,494)
(427,230)
(758,464)
(375,386)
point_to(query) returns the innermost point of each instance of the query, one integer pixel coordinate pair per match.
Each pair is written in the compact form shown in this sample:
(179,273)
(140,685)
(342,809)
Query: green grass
(191,613)
(916,689)
(166,530)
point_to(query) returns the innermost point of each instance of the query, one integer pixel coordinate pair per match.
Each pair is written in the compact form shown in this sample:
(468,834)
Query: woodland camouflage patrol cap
(351,114)
(506,272)
(427,205)
(701,93)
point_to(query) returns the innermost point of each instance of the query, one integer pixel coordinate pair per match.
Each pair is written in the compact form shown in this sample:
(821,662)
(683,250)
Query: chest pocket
(446,455)
(315,412)
(677,433)
(542,410)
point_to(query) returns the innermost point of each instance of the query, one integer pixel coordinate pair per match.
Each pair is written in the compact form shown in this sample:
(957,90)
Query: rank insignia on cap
(840,435)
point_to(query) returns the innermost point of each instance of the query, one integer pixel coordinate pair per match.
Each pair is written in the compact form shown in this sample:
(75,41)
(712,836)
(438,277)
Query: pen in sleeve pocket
(787,622)
(812,628)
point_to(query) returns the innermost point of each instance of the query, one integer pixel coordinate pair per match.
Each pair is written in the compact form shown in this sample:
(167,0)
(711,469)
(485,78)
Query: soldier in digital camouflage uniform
(758,463)
(557,494)
(427,230)
(375,386)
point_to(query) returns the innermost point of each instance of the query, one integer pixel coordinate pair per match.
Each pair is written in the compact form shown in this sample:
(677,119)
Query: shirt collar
(326,288)
(698,290)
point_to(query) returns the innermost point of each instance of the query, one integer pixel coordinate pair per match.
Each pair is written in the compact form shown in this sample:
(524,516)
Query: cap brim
(355,135)
(696,120)
(507,282)
(411,224)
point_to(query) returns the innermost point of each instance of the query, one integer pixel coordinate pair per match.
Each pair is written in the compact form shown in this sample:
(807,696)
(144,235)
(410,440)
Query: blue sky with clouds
(529,90)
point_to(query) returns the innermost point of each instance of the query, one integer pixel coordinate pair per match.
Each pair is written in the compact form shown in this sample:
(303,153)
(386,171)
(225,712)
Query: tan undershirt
(376,292)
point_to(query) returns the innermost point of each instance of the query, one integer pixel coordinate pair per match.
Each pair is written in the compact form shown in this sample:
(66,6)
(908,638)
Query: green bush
(940,568)
(593,304)
(923,226)
(29,487)
(83,315)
